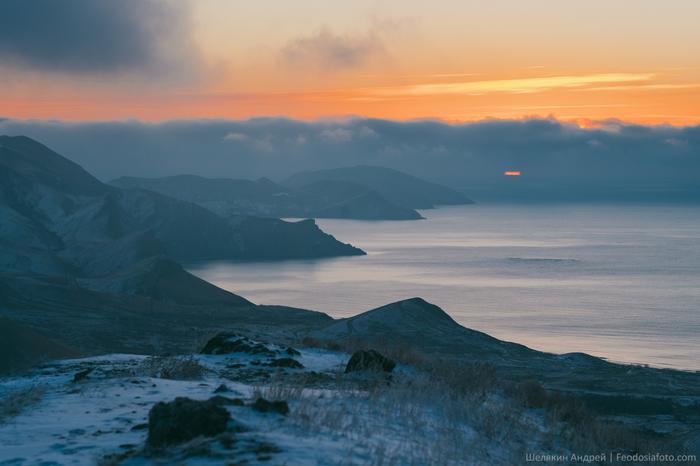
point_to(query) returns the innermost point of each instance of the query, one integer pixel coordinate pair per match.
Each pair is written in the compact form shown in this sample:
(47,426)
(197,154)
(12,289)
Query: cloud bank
(557,160)
(95,37)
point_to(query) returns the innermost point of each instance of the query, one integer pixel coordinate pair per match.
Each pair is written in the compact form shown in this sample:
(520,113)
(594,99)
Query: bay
(616,281)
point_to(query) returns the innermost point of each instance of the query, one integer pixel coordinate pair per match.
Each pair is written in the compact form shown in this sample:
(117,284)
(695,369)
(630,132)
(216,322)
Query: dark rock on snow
(286,362)
(216,342)
(184,419)
(224,401)
(369,360)
(264,406)
(82,375)
(222,344)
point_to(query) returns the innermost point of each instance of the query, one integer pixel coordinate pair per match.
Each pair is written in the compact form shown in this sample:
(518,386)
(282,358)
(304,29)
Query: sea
(621,282)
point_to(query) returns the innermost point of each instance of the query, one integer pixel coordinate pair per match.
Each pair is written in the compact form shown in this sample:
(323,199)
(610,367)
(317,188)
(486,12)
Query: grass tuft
(172,367)
(16,401)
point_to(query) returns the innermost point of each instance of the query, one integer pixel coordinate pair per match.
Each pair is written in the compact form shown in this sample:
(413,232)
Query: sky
(455,60)
(598,95)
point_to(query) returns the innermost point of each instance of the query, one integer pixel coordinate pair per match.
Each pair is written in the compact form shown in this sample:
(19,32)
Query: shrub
(16,401)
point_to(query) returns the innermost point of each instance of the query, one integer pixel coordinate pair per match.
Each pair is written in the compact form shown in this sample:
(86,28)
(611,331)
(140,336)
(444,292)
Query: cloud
(336,135)
(94,37)
(557,159)
(328,51)
(366,132)
(526,85)
(264,144)
(236,137)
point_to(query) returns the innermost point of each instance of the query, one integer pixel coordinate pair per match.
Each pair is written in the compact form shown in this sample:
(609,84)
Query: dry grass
(16,401)
(469,392)
(417,420)
(172,367)
(282,387)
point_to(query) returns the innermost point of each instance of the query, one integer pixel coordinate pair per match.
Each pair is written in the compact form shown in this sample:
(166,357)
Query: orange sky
(453,60)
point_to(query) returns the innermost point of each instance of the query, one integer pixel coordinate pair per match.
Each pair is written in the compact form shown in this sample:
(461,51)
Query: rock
(82,375)
(224,401)
(184,419)
(217,341)
(222,388)
(222,344)
(237,346)
(369,360)
(292,352)
(286,362)
(263,406)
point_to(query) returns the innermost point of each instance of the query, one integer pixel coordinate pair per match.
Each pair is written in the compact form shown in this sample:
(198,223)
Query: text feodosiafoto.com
(612,457)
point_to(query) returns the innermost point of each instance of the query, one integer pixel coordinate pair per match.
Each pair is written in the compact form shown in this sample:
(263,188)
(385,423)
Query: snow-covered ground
(334,418)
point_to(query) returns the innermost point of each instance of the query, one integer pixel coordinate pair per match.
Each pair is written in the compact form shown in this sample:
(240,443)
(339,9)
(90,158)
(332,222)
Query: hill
(21,346)
(95,267)
(404,190)
(264,198)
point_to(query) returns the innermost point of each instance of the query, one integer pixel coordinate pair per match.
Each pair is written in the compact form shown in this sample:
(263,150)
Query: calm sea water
(620,282)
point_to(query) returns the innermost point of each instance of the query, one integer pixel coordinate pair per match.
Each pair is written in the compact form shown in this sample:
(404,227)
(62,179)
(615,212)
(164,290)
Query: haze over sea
(616,281)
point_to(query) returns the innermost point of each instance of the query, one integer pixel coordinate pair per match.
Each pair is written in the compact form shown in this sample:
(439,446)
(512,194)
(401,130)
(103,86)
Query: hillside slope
(264,198)
(404,190)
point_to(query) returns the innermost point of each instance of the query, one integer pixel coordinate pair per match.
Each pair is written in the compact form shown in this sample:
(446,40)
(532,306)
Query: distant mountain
(194,188)
(50,204)
(264,198)
(369,205)
(404,190)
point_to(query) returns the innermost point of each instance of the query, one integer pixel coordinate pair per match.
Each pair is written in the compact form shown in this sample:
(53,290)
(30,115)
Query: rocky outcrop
(369,360)
(185,419)
(261,405)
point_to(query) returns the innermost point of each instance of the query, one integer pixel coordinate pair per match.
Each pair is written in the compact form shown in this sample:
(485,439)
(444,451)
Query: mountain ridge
(265,198)
(400,188)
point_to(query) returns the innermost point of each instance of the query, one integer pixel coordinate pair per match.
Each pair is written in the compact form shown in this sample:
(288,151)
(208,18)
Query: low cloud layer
(94,37)
(556,159)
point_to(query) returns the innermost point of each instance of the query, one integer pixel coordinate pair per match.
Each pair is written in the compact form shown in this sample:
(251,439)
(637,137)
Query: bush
(16,401)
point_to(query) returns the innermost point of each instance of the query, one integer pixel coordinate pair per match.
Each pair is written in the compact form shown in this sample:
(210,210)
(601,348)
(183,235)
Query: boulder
(229,342)
(184,419)
(369,360)
(216,342)
(286,362)
(263,406)
(82,375)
